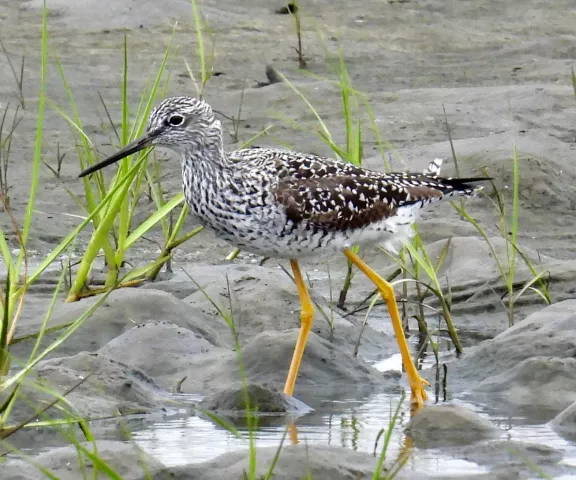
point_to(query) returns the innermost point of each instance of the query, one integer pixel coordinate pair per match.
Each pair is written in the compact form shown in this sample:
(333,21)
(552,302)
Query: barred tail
(464,186)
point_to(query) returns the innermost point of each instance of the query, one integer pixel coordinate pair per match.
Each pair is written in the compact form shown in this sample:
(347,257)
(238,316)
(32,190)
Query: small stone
(448,425)
(506,453)
(262,400)
(565,422)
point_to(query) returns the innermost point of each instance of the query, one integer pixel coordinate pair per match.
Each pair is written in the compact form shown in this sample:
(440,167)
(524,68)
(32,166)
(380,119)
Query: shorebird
(280,203)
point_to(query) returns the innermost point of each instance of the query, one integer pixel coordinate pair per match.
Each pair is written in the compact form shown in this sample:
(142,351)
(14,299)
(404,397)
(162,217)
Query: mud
(497,74)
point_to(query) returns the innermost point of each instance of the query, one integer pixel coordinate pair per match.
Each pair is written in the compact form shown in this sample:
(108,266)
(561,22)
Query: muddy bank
(497,75)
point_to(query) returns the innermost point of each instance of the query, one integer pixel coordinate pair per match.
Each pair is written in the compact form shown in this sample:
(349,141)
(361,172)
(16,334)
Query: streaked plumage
(287,204)
(281,203)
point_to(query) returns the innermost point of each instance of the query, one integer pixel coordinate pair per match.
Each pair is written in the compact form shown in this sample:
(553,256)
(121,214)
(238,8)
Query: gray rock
(123,309)
(266,299)
(232,401)
(325,368)
(448,425)
(544,386)
(507,453)
(126,459)
(112,389)
(296,462)
(565,422)
(162,350)
(551,332)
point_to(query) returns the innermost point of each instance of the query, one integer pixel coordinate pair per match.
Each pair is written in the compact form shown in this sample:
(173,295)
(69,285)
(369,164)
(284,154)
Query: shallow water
(351,423)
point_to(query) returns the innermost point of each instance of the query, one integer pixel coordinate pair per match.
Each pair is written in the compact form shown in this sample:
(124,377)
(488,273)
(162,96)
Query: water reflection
(351,423)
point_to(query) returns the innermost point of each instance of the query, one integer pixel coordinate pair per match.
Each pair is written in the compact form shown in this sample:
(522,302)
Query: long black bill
(137,145)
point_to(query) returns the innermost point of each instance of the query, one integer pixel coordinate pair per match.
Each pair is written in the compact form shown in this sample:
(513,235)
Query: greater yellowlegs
(290,205)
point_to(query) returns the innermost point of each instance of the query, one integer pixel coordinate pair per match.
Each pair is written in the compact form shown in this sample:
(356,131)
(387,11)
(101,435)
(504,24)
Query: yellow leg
(306,318)
(416,382)
(293,432)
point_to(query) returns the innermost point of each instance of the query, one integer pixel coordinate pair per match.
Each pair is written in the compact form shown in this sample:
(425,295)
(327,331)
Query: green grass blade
(261,133)
(124,218)
(482,233)
(270,473)
(76,124)
(324,128)
(222,423)
(387,438)
(125,105)
(382,144)
(5,251)
(443,255)
(100,235)
(200,48)
(179,224)
(100,466)
(19,376)
(142,271)
(37,158)
(153,219)
(155,86)
(72,235)
(530,286)
(176,243)
(30,336)
(44,324)
(515,214)
(141,110)
(420,259)
(5,327)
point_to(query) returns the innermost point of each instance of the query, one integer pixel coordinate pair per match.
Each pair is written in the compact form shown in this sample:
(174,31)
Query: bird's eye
(176,120)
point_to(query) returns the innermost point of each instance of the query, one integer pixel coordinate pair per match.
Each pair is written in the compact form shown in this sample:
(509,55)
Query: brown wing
(335,195)
(338,202)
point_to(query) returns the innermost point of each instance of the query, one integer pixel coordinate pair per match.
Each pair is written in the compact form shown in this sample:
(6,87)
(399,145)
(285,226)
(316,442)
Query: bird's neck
(207,157)
(206,170)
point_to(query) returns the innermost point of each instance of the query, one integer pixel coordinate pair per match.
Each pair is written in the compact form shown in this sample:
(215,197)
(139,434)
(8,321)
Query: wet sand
(501,73)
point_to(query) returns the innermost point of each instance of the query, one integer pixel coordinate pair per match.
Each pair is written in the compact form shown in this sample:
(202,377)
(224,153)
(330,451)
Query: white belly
(392,233)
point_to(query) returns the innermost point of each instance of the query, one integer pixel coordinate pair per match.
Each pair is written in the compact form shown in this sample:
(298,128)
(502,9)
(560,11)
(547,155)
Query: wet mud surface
(498,73)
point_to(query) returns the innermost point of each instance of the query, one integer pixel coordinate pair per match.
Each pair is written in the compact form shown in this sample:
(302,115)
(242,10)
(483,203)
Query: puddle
(352,423)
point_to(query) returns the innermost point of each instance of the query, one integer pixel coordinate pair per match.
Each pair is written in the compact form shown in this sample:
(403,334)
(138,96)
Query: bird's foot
(419,395)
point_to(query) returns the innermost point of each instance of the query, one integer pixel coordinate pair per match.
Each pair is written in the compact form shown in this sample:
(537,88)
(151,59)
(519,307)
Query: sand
(496,73)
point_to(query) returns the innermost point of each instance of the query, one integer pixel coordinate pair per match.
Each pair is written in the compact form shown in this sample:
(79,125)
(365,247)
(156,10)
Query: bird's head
(179,123)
